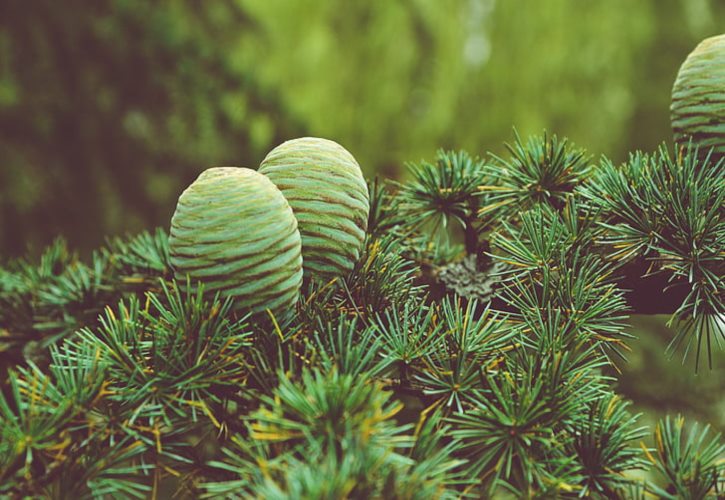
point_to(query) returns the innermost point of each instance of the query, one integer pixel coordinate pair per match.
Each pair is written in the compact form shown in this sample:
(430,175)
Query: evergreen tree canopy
(399,378)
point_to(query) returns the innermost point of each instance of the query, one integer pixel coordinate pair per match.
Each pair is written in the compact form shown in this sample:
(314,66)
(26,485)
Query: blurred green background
(110,108)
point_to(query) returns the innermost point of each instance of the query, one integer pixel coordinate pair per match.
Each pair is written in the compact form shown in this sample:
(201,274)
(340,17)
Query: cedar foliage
(389,382)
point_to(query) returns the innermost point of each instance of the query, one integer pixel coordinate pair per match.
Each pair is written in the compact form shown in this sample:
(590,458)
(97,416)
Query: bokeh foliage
(109,108)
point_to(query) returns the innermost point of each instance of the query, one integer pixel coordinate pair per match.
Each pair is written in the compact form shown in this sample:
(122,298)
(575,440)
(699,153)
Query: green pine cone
(234,231)
(328,194)
(698,98)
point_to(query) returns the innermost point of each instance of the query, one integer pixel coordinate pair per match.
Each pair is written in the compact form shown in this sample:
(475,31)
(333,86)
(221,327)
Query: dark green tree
(389,382)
